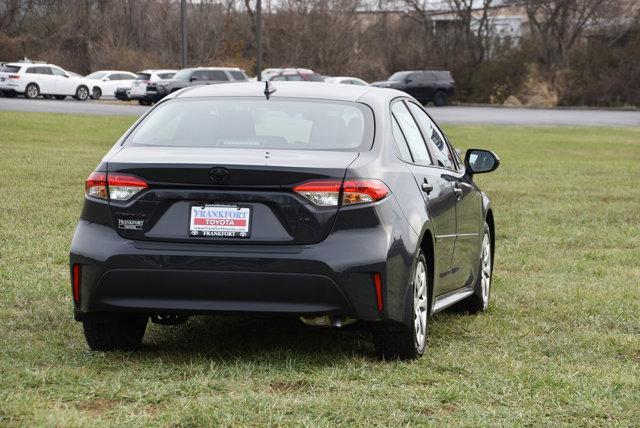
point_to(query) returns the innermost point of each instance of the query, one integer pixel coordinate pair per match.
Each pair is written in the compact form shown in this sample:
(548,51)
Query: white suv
(35,79)
(139,86)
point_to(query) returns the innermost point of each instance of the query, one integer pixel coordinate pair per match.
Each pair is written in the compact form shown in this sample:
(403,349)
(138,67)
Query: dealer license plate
(225,221)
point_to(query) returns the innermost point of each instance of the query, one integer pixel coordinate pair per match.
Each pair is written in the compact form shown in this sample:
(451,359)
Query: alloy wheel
(420,304)
(485,282)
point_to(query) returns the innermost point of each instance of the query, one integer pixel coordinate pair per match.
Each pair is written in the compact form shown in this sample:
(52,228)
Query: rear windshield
(257,123)
(143,76)
(400,75)
(10,68)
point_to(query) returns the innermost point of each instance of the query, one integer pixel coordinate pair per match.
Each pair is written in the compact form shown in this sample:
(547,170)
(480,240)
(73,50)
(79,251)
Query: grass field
(560,343)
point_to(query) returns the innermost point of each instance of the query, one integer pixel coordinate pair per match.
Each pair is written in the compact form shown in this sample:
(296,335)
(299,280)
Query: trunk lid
(260,180)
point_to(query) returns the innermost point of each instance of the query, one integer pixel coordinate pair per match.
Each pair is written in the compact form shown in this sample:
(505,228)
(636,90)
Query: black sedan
(328,202)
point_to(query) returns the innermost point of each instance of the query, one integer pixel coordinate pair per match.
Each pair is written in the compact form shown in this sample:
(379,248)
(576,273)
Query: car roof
(111,71)
(214,68)
(160,70)
(317,90)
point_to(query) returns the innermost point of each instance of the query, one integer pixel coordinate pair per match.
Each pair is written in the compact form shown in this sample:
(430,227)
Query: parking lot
(449,114)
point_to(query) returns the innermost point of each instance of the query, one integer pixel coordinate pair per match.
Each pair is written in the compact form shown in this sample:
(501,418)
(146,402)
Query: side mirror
(479,161)
(66,74)
(106,79)
(193,79)
(408,80)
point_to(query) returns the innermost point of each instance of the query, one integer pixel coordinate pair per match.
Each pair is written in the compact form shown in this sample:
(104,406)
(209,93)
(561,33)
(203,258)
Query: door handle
(457,190)
(426,186)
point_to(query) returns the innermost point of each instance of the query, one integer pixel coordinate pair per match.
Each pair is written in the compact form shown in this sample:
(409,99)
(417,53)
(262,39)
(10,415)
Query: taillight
(363,191)
(76,274)
(117,187)
(331,193)
(122,187)
(13,76)
(96,185)
(325,193)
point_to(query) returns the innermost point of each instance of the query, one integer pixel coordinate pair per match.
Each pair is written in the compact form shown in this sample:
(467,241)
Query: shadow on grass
(257,339)
(261,340)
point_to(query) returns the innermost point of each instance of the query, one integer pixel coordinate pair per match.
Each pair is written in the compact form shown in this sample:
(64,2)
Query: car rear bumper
(332,277)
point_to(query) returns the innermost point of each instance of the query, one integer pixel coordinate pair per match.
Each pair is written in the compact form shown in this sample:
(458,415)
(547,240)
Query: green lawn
(560,343)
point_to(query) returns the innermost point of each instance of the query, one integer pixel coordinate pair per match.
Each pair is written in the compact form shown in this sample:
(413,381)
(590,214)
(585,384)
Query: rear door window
(411,133)
(238,75)
(434,137)
(217,75)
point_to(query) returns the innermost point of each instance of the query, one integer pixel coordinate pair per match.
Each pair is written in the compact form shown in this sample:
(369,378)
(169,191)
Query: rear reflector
(118,187)
(75,281)
(13,76)
(377,282)
(326,193)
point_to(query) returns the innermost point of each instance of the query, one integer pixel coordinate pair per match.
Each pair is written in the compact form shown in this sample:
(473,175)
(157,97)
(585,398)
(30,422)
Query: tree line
(574,52)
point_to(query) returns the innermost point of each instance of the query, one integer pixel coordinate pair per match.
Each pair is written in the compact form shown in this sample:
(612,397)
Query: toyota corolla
(331,203)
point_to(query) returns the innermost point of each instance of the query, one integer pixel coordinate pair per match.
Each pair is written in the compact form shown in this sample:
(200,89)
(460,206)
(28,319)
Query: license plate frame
(219,217)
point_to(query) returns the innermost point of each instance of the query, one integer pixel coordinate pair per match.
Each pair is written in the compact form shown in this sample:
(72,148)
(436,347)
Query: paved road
(453,114)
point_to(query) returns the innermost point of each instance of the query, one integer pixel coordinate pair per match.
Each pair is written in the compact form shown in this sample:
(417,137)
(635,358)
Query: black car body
(435,86)
(192,77)
(346,199)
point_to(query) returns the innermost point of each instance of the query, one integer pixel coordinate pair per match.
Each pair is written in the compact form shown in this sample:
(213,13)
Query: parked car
(346,80)
(138,89)
(34,79)
(297,75)
(104,83)
(423,85)
(267,73)
(192,77)
(330,203)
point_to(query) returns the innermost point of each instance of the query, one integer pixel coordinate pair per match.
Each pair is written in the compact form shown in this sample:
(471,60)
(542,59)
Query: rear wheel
(440,99)
(114,332)
(408,342)
(479,300)
(96,94)
(32,91)
(82,93)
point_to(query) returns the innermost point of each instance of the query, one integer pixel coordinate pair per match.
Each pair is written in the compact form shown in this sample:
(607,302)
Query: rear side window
(401,142)
(39,70)
(257,123)
(10,69)
(314,78)
(411,133)
(238,75)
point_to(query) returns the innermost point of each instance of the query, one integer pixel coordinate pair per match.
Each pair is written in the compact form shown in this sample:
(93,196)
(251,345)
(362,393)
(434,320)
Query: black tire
(440,99)
(60,97)
(32,91)
(96,93)
(479,300)
(82,93)
(402,341)
(114,332)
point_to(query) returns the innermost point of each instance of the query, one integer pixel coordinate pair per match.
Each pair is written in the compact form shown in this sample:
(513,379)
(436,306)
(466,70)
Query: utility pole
(259,40)
(183,22)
